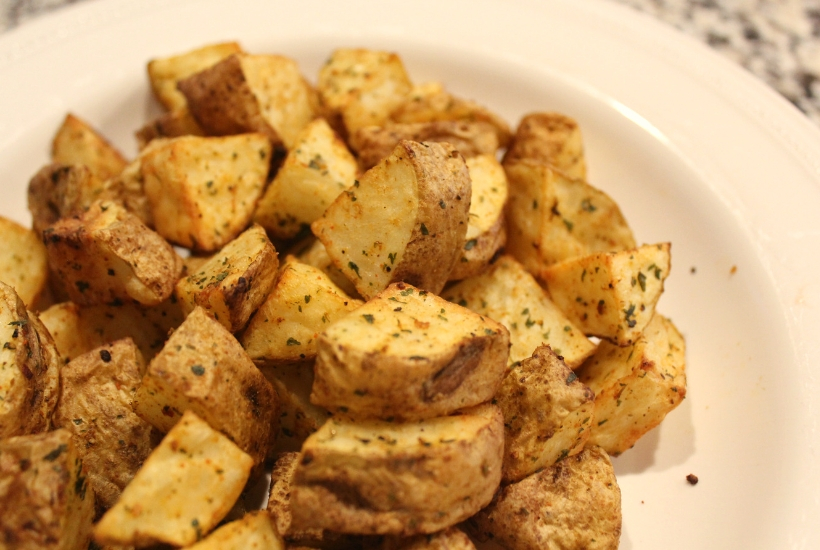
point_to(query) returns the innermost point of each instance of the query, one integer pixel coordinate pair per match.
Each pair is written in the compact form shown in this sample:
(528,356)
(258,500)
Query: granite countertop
(777,40)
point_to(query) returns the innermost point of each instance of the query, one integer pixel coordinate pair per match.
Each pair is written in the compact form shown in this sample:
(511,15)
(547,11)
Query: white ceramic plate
(695,150)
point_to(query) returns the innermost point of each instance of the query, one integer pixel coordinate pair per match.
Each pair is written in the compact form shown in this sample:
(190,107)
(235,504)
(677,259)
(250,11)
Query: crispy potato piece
(406,221)
(177,123)
(23,261)
(315,254)
(636,386)
(96,393)
(77,330)
(203,191)
(553,138)
(610,295)
(430,102)
(552,217)
(107,254)
(547,414)
(234,282)
(76,142)
(251,93)
(360,87)
(408,355)
(487,230)
(203,368)
(164,73)
(507,293)
(451,538)
(60,190)
(254,530)
(301,304)
(574,504)
(374,143)
(44,497)
(193,463)
(315,171)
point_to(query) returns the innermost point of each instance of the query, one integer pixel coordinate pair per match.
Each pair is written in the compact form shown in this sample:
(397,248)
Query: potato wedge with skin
(636,386)
(45,501)
(107,254)
(302,303)
(193,463)
(508,294)
(574,504)
(401,479)
(610,295)
(23,261)
(405,221)
(96,395)
(451,538)
(203,368)
(552,138)
(315,171)
(234,282)
(251,93)
(548,414)
(76,142)
(254,530)
(203,191)
(406,355)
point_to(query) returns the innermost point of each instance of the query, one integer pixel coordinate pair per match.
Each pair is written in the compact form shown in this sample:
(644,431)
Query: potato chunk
(169,125)
(45,502)
(610,295)
(23,261)
(60,190)
(636,386)
(553,138)
(406,220)
(574,504)
(315,254)
(408,354)
(76,142)
(203,368)
(107,254)
(254,531)
(401,479)
(234,282)
(193,463)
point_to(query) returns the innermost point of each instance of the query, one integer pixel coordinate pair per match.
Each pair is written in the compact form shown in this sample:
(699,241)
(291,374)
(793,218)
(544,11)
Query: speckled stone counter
(777,40)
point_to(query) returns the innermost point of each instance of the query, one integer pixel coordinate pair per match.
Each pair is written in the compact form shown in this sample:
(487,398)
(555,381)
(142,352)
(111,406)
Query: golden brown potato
(203,191)
(610,295)
(233,283)
(635,386)
(255,531)
(203,368)
(402,479)
(76,142)
(574,504)
(107,254)
(45,501)
(451,538)
(549,137)
(193,464)
(405,221)
(23,261)
(60,190)
(408,354)
(96,394)
(548,414)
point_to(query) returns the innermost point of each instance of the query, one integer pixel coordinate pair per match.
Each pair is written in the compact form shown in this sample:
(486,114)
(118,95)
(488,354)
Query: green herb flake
(442,204)
(198,370)
(369,318)
(307,298)
(424,230)
(53,455)
(293,342)
(571,378)
(355,268)
(642,281)
(470,244)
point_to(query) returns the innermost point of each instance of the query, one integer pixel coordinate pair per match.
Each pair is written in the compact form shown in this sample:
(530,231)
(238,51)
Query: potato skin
(549,137)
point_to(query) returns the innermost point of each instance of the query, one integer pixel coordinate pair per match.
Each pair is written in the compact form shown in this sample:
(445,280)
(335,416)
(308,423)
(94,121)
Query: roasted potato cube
(60,190)
(487,230)
(301,304)
(164,73)
(361,87)
(23,261)
(254,530)
(507,293)
(234,282)
(574,504)
(635,386)
(193,464)
(251,93)
(172,124)
(107,254)
(45,502)
(315,171)
(547,414)
(315,254)
(408,354)
(203,191)
(76,142)
(401,479)
(406,220)
(552,138)
(610,295)
(203,368)
(96,394)
(552,217)
(451,538)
